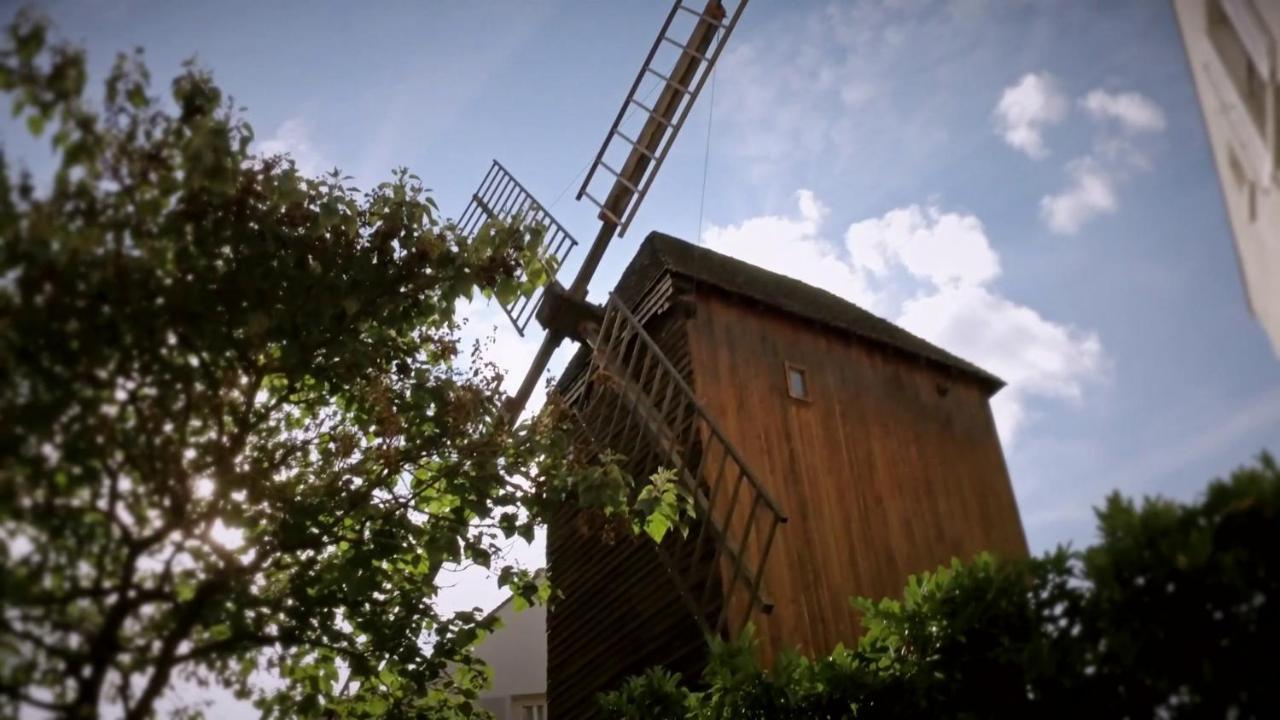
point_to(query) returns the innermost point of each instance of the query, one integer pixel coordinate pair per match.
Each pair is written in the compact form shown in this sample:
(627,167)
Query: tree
(237,430)
(1172,614)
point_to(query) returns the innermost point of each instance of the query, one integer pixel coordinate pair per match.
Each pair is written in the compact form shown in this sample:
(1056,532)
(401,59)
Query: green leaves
(507,290)
(663,504)
(239,432)
(136,96)
(28,37)
(520,260)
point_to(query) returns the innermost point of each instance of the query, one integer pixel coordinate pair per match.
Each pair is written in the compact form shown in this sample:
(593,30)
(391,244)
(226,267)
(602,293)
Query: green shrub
(1171,614)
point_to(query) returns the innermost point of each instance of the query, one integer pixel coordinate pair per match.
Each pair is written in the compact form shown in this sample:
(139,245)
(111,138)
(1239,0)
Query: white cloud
(943,264)
(1026,108)
(945,248)
(1091,193)
(293,138)
(792,246)
(1093,178)
(1135,112)
(1035,356)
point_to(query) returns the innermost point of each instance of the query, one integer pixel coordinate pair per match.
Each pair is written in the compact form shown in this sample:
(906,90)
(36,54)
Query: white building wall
(1234,51)
(517,654)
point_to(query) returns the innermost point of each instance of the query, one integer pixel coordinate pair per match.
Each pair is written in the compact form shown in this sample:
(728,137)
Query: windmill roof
(663,253)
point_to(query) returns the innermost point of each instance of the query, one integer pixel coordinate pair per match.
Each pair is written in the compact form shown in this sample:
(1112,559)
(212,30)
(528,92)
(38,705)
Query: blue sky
(1026,183)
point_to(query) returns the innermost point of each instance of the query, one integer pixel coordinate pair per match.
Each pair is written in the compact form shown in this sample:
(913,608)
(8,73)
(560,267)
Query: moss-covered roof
(663,253)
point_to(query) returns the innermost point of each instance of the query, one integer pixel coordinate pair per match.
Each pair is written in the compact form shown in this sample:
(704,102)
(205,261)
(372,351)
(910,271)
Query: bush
(1171,614)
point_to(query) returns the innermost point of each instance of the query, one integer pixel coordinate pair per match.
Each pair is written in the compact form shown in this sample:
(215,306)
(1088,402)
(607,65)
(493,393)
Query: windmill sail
(681,83)
(500,197)
(633,401)
(643,152)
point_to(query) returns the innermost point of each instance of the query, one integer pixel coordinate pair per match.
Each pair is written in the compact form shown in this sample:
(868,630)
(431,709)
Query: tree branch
(188,616)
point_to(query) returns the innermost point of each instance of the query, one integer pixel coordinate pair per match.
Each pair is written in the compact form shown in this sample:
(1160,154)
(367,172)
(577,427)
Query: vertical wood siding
(892,467)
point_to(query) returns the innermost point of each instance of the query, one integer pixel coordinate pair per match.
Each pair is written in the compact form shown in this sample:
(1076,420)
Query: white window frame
(1256,140)
(800,370)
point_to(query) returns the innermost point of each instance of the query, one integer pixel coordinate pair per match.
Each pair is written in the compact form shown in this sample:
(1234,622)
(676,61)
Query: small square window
(797,384)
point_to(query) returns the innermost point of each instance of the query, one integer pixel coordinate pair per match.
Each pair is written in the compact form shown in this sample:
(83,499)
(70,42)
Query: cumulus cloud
(943,264)
(1134,111)
(948,249)
(1093,179)
(1090,193)
(293,138)
(791,245)
(1026,108)
(1038,358)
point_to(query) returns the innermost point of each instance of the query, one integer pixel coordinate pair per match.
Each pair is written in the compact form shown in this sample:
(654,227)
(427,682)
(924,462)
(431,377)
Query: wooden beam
(660,121)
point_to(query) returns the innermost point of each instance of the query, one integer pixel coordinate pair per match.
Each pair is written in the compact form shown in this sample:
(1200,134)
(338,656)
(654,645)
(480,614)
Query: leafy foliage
(616,503)
(662,505)
(1172,614)
(239,435)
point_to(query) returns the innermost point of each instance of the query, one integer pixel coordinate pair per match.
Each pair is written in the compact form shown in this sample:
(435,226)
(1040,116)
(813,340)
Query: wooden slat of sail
(664,118)
(628,384)
(662,115)
(500,197)
(668,445)
(628,605)
(621,612)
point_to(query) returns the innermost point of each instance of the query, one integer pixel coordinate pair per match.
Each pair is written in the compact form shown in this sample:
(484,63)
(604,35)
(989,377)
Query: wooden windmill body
(833,454)
(828,452)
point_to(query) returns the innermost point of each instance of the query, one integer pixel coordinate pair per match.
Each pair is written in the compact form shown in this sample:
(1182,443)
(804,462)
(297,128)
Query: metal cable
(706,156)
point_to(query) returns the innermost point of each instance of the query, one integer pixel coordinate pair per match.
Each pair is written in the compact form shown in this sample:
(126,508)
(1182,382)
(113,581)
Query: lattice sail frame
(501,197)
(632,401)
(682,83)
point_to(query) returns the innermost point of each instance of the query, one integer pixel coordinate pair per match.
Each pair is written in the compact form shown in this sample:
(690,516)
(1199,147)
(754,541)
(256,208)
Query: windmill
(633,400)
(758,392)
